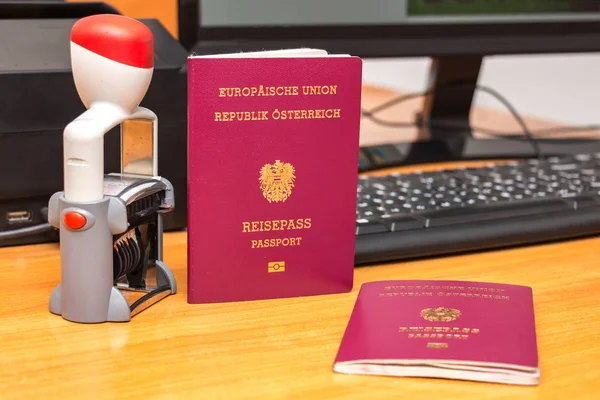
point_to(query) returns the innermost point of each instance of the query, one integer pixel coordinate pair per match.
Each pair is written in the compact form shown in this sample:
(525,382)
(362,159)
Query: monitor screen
(306,13)
(392,28)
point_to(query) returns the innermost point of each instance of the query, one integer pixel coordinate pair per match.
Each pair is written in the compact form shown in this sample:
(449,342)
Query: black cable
(490,132)
(396,100)
(494,93)
(454,125)
(515,114)
(30,230)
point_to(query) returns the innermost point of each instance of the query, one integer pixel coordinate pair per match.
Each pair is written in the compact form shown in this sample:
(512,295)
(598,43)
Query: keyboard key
(402,222)
(583,157)
(585,201)
(564,167)
(494,211)
(366,227)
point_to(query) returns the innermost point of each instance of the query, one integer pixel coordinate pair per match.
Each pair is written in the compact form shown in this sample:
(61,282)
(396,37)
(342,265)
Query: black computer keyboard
(401,216)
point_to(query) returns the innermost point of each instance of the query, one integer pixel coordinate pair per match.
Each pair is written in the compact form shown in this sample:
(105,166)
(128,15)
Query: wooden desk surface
(280,348)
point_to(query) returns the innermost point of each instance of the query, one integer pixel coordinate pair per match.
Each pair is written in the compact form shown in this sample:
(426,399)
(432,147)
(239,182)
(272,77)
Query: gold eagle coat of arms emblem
(440,314)
(277,181)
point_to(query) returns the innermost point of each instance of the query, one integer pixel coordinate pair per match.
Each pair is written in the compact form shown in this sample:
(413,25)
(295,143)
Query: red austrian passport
(442,329)
(273,143)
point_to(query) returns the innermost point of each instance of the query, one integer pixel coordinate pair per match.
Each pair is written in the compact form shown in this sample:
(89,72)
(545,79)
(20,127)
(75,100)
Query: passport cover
(273,147)
(442,329)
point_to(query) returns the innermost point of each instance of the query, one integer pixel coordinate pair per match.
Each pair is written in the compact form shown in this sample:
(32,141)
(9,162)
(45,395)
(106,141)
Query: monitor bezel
(410,40)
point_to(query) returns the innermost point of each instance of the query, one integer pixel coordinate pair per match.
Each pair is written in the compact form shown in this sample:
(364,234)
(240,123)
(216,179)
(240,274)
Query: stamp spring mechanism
(137,254)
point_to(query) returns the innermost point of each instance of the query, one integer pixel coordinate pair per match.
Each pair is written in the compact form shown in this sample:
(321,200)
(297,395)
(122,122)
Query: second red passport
(273,141)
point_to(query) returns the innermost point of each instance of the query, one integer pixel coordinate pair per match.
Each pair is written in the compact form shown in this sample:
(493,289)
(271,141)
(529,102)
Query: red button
(74,220)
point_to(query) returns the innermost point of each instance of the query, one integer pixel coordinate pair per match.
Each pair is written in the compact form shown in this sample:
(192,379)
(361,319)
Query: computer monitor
(392,28)
(456,34)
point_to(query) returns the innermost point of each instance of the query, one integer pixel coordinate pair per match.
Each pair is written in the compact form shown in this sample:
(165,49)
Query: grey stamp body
(87,293)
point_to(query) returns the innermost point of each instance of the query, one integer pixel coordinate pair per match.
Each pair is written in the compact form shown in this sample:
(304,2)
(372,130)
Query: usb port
(18,217)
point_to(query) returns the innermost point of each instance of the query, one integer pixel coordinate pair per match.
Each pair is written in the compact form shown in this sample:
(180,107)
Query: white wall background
(561,88)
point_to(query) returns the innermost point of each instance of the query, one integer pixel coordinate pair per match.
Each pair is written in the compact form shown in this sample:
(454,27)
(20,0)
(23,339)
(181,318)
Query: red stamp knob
(116,37)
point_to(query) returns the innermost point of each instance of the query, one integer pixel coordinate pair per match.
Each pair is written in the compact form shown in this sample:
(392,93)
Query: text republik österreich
(277,114)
